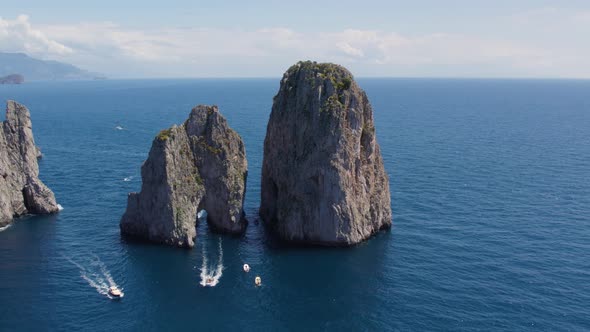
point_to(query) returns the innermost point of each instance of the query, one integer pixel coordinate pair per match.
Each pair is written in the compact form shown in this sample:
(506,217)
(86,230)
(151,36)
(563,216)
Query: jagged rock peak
(21,191)
(323,179)
(220,157)
(198,165)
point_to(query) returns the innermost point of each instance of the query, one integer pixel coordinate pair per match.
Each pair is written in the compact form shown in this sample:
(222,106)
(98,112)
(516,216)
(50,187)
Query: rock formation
(323,180)
(198,165)
(21,191)
(220,157)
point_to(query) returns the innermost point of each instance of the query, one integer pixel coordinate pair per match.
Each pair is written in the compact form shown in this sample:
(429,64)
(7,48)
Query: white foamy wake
(59,207)
(105,272)
(97,276)
(210,277)
(127,179)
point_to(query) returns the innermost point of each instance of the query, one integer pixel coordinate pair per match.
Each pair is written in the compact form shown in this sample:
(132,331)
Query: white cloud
(18,36)
(197,51)
(349,50)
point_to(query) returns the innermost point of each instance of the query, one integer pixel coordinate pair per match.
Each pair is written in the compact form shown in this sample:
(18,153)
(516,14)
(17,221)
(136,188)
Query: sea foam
(213,274)
(96,274)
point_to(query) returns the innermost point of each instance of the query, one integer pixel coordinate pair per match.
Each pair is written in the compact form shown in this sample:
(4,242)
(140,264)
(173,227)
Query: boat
(258,281)
(246,268)
(209,281)
(115,292)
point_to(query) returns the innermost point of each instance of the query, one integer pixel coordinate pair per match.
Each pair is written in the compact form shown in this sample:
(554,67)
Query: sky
(420,38)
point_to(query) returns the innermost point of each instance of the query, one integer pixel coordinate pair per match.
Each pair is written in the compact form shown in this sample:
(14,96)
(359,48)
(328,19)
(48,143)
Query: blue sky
(422,38)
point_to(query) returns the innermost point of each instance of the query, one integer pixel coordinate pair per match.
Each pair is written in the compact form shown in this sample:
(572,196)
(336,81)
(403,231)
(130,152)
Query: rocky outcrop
(165,210)
(323,180)
(21,191)
(220,157)
(12,79)
(198,165)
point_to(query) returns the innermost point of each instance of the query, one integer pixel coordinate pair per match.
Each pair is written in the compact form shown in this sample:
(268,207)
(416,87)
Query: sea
(490,185)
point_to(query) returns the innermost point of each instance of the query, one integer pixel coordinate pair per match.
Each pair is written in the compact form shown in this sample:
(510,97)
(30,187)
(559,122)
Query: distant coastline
(42,70)
(12,79)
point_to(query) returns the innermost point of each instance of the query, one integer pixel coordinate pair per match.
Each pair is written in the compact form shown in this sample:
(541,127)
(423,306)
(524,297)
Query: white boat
(246,268)
(210,281)
(115,292)
(258,281)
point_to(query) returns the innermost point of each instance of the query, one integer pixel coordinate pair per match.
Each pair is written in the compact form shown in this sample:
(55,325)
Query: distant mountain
(12,79)
(36,70)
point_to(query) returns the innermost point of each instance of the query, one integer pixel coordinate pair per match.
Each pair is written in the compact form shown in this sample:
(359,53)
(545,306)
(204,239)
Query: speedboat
(115,292)
(258,281)
(209,281)
(246,268)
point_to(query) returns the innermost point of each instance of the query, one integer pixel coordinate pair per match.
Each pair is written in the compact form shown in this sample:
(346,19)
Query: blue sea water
(490,183)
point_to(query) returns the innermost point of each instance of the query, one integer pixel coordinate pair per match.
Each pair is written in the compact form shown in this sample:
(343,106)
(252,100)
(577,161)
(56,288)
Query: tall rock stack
(21,191)
(220,157)
(198,165)
(323,180)
(165,210)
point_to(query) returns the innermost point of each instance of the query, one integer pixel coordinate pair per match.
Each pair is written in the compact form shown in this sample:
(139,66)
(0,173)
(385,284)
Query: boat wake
(127,179)
(97,276)
(210,275)
(119,128)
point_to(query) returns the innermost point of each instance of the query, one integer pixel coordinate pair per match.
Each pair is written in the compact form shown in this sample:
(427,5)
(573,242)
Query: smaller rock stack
(21,191)
(198,165)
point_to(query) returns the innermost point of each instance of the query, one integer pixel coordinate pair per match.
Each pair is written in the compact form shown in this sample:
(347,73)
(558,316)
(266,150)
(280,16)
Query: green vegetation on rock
(344,84)
(198,178)
(340,77)
(209,148)
(164,134)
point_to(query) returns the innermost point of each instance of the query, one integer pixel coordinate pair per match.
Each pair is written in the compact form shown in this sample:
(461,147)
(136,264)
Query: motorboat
(246,268)
(258,281)
(115,292)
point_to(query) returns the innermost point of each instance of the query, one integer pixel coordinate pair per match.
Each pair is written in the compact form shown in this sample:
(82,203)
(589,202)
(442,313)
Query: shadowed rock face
(165,209)
(220,157)
(323,180)
(21,191)
(200,164)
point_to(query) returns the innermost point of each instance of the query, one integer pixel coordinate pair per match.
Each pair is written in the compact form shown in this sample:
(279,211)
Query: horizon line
(355,77)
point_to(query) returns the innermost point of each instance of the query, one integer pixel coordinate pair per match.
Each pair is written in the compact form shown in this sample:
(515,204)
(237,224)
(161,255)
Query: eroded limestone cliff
(198,165)
(323,180)
(21,191)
